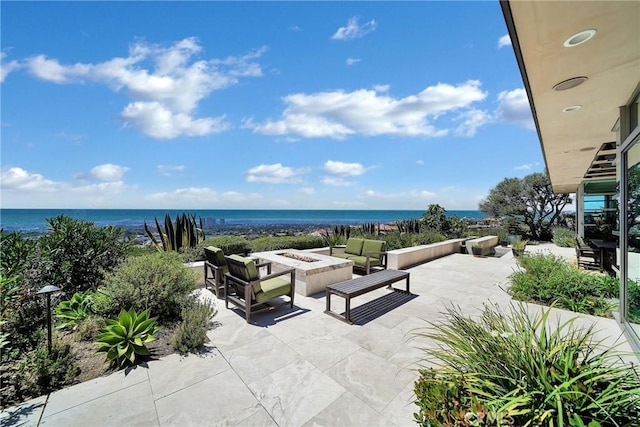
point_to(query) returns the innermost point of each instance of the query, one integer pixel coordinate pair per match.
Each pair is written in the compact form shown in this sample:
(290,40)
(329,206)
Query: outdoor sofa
(365,253)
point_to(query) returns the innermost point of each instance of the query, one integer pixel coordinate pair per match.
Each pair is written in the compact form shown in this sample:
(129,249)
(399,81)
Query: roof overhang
(572,141)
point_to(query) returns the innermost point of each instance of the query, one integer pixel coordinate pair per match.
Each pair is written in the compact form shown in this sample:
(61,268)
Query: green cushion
(354,246)
(250,267)
(272,288)
(345,256)
(373,246)
(361,261)
(215,256)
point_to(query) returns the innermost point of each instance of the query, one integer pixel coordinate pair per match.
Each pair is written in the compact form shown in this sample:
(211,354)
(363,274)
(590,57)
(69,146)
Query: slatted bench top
(361,285)
(364,284)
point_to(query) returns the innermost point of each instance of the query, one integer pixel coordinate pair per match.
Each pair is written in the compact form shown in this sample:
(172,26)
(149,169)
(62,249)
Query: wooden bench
(361,285)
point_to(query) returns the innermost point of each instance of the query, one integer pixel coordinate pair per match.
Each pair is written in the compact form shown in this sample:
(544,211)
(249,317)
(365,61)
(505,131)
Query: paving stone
(296,393)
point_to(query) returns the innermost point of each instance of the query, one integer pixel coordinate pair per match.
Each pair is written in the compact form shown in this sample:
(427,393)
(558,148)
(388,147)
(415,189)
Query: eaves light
(570,83)
(571,108)
(579,38)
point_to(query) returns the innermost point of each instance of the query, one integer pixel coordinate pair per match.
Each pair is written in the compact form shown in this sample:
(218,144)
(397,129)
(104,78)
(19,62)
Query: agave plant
(370,229)
(408,226)
(339,237)
(73,311)
(187,232)
(124,339)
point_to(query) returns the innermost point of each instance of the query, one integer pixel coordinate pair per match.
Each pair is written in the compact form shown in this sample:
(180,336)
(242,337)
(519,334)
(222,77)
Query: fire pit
(298,257)
(314,271)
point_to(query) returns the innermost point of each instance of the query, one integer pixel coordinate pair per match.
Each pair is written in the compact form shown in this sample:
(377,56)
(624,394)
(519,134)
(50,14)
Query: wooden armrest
(381,253)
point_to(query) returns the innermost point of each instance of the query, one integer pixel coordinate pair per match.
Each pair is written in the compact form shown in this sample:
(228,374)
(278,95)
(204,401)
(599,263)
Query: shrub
(77,254)
(286,242)
(15,249)
(123,340)
(192,332)
(229,244)
(520,370)
(564,237)
(38,373)
(88,328)
(549,279)
(159,282)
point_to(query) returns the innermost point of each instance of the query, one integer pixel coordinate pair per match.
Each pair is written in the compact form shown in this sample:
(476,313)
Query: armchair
(215,267)
(252,292)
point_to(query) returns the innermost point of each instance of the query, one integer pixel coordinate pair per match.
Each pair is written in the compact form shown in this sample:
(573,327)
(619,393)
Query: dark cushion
(215,256)
(373,246)
(354,246)
(272,288)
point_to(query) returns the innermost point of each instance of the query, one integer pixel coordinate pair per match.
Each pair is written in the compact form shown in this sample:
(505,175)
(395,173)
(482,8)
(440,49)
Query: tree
(531,199)
(436,219)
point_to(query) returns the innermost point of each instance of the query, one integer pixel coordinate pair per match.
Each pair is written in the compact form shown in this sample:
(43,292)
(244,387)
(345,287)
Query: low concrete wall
(486,243)
(406,257)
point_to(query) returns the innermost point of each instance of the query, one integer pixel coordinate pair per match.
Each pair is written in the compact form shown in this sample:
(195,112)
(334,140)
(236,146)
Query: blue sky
(259,105)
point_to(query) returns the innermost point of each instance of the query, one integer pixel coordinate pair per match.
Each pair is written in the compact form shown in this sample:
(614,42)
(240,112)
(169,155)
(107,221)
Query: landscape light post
(48,290)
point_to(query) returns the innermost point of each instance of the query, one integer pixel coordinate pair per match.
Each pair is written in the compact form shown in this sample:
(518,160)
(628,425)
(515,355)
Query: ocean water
(34,221)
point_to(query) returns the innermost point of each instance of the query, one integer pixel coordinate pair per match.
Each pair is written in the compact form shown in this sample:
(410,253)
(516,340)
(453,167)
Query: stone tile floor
(297,366)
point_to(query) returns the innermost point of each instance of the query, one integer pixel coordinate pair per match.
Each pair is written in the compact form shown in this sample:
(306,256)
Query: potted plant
(503,237)
(476,249)
(518,247)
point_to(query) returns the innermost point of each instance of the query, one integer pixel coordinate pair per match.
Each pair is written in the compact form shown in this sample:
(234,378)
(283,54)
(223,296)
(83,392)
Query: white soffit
(610,61)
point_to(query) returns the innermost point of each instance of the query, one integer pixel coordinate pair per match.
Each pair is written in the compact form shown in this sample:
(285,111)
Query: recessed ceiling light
(587,148)
(581,37)
(570,83)
(571,108)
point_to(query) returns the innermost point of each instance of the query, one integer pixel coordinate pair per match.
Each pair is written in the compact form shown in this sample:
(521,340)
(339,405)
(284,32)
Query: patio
(295,367)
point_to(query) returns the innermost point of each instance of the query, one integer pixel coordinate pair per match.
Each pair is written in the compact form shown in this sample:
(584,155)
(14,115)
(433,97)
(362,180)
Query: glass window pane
(633,237)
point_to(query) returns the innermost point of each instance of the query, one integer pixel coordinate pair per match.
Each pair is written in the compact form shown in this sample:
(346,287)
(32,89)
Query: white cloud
(202,197)
(113,187)
(295,28)
(167,170)
(6,67)
(157,121)
(504,41)
(336,182)
(471,121)
(526,167)
(351,61)
(339,114)
(381,88)
(514,108)
(108,172)
(275,174)
(353,30)
(19,179)
(307,190)
(344,169)
(165,83)
(25,182)
(404,195)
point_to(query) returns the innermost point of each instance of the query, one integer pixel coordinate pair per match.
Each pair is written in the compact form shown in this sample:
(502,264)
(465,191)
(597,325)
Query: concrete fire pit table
(314,272)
